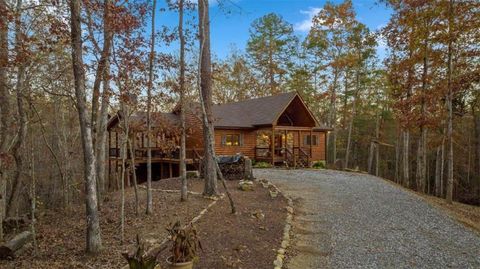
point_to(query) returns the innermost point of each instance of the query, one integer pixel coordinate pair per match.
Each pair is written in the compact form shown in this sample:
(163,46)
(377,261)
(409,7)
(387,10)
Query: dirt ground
(229,241)
(241,240)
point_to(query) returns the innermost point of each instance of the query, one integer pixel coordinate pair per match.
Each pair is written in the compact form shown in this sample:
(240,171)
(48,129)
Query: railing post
(272,142)
(294,159)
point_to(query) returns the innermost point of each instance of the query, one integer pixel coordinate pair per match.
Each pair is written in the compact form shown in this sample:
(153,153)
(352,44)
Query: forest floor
(229,241)
(469,215)
(241,240)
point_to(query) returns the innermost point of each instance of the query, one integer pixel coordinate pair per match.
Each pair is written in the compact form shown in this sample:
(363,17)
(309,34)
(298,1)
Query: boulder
(245,185)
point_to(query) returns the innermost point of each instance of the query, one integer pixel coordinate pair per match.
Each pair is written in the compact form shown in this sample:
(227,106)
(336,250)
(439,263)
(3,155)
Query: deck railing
(293,156)
(194,154)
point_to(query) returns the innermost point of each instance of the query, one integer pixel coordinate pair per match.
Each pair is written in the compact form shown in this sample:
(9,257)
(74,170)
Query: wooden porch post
(170,172)
(109,162)
(272,144)
(116,152)
(285,146)
(299,141)
(161,169)
(311,143)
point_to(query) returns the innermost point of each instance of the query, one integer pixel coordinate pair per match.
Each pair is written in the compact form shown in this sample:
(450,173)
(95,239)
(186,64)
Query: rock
(273,194)
(193,174)
(248,169)
(281,251)
(278,262)
(284,244)
(245,185)
(258,214)
(290,209)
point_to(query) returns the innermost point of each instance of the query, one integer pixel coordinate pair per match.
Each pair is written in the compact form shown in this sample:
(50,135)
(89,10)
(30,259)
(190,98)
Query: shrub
(262,165)
(185,243)
(319,165)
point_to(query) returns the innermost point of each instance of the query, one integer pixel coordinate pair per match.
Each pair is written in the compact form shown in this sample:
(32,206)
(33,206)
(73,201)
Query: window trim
(307,140)
(238,140)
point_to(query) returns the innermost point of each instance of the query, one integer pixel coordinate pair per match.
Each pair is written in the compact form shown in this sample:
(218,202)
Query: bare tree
(33,194)
(449,104)
(99,120)
(94,240)
(205,69)
(4,108)
(20,89)
(149,111)
(183,167)
(131,150)
(211,168)
(406,150)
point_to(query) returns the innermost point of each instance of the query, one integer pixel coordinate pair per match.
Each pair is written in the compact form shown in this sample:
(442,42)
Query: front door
(283,143)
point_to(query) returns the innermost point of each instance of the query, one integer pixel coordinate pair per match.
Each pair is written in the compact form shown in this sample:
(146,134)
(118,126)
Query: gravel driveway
(347,220)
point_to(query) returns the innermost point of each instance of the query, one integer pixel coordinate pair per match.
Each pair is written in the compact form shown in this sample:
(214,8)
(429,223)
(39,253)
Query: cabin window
(263,139)
(310,140)
(232,140)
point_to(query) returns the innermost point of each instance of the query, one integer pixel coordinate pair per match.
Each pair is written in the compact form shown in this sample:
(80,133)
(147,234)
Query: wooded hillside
(411,116)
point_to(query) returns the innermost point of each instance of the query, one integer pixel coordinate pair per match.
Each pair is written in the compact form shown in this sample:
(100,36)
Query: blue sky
(230,21)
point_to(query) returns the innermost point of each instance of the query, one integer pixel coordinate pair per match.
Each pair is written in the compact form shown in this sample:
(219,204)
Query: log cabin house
(278,129)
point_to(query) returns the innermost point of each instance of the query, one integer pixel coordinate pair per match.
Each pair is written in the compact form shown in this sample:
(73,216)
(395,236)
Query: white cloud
(306,24)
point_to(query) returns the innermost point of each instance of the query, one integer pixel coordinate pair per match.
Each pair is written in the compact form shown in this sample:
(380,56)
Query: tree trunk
(205,69)
(103,74)
(449,105)
(94,241)
(333,116)
(349,135)
(398,157)
(350,125)
(4,93)
(131,149)
(149,209)
(230,199)
(370,157)
(8,249)
(4,109)
(22,116)
(476,173)
(377,148)
(422,143)
(406,150)
(122,179)
(33,195)
(438,171)
(183,166)
(100,72)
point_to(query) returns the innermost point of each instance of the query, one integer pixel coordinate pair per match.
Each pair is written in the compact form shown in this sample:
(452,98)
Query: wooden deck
(141,160)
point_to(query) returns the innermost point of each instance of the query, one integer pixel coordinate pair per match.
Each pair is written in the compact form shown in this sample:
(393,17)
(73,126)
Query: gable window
(232,140)
(310,140)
